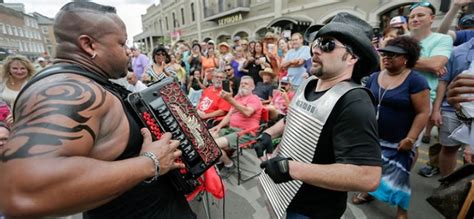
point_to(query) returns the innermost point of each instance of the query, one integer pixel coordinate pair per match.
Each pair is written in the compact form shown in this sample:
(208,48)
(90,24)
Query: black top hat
(357,34)
(311,32)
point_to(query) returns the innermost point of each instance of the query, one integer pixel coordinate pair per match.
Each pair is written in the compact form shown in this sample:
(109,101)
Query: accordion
(163,107)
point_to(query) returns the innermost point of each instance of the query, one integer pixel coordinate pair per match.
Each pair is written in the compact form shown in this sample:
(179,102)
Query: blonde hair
(23,60)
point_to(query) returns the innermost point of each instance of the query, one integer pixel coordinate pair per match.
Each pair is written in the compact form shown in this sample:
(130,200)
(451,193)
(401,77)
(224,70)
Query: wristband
(156,162)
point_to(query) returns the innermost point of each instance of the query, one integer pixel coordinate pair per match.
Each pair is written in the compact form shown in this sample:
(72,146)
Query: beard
(316,69)
(244,92)
(216,83)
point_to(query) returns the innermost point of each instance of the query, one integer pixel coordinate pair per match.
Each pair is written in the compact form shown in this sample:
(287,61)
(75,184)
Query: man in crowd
(322,155)
(465,24)
(295,59)
(232,82)
(435,51)
(134,85)
(139,63)
(81,151)
(244,114)
(444,115)
(212,107)
(42,63)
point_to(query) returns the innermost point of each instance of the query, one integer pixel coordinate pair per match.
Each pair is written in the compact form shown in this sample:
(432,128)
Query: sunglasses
(228,69)
(389,55)
(423,4)
(159,54)
(283,83)
(328,45)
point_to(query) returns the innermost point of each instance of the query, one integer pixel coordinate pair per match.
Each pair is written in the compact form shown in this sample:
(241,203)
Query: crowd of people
(412,79)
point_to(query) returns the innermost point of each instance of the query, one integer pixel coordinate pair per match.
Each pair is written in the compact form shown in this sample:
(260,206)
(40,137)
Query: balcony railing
(224,7)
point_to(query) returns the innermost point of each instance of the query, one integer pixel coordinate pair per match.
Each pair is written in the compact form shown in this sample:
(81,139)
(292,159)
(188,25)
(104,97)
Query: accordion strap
(115,89)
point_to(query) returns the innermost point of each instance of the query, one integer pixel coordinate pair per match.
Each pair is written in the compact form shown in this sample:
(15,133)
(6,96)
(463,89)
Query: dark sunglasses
(228,69)
(159,54)
(283,83)
(389,55)
(423,4)
(328,45)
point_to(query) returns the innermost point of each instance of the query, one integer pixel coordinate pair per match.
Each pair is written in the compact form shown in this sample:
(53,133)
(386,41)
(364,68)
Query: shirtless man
(74,147)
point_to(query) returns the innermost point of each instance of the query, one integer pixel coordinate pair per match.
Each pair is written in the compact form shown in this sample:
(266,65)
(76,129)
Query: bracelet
(411,140)
(156,162)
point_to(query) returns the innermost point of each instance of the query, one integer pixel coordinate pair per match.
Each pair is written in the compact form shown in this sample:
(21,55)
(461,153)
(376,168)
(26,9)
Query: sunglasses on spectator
(389,55)
(227,69)
(423,4)
(328,45)
(283,83)
(159,54)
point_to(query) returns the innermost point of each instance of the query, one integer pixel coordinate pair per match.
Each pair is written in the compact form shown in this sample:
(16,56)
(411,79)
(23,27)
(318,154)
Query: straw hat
(224,44)
(267,71)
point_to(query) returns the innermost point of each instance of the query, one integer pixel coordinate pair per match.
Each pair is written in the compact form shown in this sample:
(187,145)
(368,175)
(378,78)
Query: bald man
(74,147)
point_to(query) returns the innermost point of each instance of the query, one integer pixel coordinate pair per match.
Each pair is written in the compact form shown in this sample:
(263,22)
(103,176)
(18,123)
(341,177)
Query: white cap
(41,59)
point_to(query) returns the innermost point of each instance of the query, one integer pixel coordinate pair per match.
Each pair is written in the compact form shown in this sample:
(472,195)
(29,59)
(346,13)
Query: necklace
(389,87)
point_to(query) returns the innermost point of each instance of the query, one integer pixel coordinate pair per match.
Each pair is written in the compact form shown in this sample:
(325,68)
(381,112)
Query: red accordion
(163,107)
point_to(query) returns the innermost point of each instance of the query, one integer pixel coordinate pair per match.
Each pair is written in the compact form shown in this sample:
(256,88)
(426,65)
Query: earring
(94,55)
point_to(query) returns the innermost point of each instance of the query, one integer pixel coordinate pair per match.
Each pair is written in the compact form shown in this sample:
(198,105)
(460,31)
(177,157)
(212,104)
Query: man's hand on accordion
(165,149)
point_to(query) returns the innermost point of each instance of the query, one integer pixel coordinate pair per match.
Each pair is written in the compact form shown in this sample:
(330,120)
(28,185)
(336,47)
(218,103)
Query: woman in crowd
(257,62)
(282,50)
(17,70)
(251,48)
(239,59)
(195,59)
(210,60)
(176,66)
(402,110)
(160,67)
(195,86)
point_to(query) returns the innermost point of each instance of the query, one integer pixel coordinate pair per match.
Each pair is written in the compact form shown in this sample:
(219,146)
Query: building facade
(49,40)
(221,20)
(19,33)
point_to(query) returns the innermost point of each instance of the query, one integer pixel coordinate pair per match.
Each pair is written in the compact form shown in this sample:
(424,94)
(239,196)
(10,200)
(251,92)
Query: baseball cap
(236,38)
(285,79)
(398,21)
(211,42)
(41,59)
(466,21)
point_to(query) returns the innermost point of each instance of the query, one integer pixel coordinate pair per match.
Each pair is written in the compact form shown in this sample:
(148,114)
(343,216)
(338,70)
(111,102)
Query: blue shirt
(459,61)
(295,74)
(463,36)
(396,113)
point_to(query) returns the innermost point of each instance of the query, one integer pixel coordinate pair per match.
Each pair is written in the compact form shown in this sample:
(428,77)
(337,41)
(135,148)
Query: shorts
(231,135)
(450,123)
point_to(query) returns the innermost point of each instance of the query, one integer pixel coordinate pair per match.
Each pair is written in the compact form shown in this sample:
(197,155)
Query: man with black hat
(330,141)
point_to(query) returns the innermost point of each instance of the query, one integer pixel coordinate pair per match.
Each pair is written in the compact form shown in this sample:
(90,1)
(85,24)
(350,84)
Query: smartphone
(270,47)
(226,86)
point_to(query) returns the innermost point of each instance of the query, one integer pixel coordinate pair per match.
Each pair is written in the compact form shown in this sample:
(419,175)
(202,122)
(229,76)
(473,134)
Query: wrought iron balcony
(216,9)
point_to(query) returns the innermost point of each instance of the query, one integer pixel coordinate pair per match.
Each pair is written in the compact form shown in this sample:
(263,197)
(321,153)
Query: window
(174,20)
(182,16)
(20,32)
(161,26)
(21,46)
(9,29)
(193,18)
(44,29)
(2,29)
(166,21)
(15,31)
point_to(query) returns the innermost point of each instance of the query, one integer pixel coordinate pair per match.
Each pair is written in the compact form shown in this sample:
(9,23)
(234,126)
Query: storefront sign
(230,19)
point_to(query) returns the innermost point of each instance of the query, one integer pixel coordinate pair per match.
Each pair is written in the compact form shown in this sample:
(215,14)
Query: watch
(156,162)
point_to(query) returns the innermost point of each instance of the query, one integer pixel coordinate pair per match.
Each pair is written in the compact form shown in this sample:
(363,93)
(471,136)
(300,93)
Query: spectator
(402,110)
(465,24)
(139,62)
(196,57)
(17,70)
(42,63)
(245,48)
(237,42)
(257,62)
(245,113)
(435,51)
(239,60)
(443,114)
(295,59)
(264,89)
(232,82)
(252,47)
(134,85)
(195,86)
(270,44)
(225,54)
(210,60)
(281,99)
(212,108)
(178,70)
(160,68)
(282,51)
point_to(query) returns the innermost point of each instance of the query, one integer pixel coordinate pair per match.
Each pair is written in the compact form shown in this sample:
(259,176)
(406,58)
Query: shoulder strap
(115,89)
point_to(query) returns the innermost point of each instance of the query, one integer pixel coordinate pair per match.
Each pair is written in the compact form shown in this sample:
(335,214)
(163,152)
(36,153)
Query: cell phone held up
(226,86)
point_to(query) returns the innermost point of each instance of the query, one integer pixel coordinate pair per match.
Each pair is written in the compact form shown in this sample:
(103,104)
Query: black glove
(264,142)
(278,169)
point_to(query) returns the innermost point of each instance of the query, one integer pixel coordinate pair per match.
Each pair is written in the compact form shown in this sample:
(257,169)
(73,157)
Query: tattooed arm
(59,157)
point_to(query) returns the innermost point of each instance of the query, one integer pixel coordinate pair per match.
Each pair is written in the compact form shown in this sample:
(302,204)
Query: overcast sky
(129,10)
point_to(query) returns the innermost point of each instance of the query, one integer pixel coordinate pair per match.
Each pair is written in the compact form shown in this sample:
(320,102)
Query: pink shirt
(239,120)
(279,102)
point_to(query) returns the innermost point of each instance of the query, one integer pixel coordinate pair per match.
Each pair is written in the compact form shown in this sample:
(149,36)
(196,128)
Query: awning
(285,20)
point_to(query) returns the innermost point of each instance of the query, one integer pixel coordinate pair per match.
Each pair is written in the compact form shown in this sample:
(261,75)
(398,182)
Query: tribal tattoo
(39,110)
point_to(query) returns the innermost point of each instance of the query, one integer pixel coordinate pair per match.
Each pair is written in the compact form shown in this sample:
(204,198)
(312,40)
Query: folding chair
(468,206)
(256,131)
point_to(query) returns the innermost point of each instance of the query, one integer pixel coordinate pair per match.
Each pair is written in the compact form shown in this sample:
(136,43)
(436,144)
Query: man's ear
(86,43)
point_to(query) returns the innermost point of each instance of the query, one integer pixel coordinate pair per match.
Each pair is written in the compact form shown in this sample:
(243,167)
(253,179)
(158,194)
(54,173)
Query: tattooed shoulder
(53,111)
